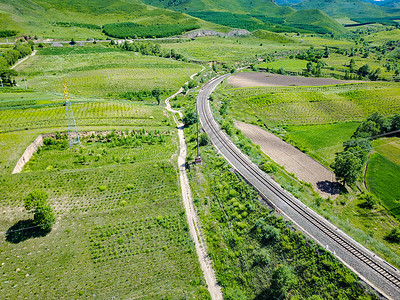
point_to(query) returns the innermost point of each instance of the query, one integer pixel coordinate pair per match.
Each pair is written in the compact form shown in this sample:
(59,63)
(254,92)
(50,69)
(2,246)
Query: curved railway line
(380,275)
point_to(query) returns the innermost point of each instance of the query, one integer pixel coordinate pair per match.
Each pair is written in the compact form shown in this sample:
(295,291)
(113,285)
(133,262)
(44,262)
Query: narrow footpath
(191,215)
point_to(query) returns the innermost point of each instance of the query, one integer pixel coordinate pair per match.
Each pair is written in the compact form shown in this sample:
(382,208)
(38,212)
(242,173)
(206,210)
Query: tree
(282,281)
(352,65)
(394,236)
(36,203)
(348,164)
(156,93)
(204,139)
(364,70)
(395,123)
(369,200)
(366,129)
(326,53)
(72,42)
(189,117)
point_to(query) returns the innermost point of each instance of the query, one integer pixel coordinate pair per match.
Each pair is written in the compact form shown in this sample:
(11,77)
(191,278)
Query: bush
(394,236)
(204,140)
(36,202)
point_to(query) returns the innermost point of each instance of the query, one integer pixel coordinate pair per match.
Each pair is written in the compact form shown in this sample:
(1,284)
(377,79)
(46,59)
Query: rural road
(23,59)
(375,271)
(191,215)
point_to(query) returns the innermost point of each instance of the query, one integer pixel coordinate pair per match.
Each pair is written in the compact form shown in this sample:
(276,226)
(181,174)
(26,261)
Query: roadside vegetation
(256,254)
(368,224)
(109,214)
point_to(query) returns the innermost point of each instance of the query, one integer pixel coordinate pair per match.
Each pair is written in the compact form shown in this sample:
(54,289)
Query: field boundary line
(191,215)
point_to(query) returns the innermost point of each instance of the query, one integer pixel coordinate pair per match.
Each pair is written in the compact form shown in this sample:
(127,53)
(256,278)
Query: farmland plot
(104,72)
(120,231)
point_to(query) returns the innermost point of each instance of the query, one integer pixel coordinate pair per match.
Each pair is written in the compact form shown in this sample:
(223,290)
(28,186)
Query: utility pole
(197,160)
(73,135)
(26,85)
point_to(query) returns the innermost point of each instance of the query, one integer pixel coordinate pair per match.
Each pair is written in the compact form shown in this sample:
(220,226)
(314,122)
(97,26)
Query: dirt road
(192,218)
(23,59)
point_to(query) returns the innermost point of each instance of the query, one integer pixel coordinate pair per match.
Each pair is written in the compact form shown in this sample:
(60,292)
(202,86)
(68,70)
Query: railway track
(375,271)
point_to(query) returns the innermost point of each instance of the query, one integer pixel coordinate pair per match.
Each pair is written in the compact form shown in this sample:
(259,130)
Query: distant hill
(84,18)
(234,6)
(343,8)
(385,3)
(252,15)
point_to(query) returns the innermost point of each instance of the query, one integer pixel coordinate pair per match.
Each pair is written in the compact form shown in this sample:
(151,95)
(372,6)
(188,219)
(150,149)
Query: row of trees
(134,30)
(349,163)
(147,48)
(9,58)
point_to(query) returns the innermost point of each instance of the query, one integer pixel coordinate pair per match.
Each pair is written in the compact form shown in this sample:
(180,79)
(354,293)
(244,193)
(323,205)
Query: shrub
(36,202)
(394,236)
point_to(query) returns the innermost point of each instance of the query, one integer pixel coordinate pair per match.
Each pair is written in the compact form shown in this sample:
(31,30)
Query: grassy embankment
(255,253)
(318,120)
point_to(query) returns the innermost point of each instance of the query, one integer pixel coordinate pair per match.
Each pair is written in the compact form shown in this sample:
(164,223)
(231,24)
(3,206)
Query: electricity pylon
(73,135)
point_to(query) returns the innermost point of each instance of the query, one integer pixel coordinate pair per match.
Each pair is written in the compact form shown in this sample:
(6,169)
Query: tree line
(349,163)
(9,58)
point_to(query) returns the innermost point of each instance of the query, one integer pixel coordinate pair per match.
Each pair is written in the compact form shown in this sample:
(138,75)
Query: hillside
(316,18)
(83,18)
(267,7)
(253,15)
(343,8)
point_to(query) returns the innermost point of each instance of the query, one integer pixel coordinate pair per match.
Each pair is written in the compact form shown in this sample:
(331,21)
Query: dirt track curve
(191,215)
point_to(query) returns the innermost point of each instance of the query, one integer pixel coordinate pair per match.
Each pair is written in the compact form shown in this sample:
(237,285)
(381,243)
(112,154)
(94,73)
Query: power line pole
(73,135)
(197,160)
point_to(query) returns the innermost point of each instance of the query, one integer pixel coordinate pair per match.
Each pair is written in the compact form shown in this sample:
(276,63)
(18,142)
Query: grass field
(389,148)
(295,65)
(240,48)
(321,141)
(101,71)
(39,18)
(119,231)
(383,180)
(312,105)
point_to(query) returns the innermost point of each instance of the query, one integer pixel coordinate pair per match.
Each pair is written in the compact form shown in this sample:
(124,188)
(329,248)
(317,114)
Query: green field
(278,106)
(321,141)
(240,48)
(295,65)
(56,19)
(101,71)
(383,180)
(389,148)
(119,231)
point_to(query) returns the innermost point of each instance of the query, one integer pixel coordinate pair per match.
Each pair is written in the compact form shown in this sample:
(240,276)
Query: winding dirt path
(23,59)
(191,215)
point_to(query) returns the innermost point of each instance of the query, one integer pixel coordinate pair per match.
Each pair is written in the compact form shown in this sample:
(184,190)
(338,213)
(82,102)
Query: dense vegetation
(134,30)
(349,163)
(256,254)
(252,23)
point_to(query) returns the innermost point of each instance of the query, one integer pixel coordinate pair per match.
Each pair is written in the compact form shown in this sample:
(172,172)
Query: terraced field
(313,105)
(102,71)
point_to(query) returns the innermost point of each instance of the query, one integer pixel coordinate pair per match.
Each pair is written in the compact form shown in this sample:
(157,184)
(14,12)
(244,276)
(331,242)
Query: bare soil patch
(293,160)
(251,79)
